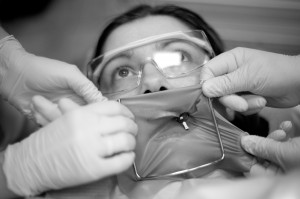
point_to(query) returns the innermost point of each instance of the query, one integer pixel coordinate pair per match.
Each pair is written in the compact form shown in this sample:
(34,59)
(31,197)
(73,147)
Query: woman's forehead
(142,28)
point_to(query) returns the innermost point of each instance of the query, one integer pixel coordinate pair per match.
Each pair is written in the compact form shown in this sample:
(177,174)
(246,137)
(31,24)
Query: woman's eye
(124,72)
(185,57)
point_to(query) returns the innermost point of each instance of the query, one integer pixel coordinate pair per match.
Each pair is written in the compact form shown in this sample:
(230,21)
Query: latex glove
(23,75)
(274,76)
(245,104)
(84,145)
(45,111)
(282,152)
(264,167)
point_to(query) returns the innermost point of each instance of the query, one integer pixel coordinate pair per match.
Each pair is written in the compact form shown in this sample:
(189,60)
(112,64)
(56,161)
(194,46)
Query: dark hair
(189,18)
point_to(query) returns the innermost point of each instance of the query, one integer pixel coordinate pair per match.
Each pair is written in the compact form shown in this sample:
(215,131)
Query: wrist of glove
(11,68)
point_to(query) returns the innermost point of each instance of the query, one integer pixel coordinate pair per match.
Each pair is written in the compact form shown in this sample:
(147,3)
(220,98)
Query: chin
(222,174)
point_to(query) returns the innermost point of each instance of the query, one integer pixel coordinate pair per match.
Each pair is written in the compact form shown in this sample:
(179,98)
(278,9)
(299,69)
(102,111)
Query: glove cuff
(10,70)
(3,66)
(14,172)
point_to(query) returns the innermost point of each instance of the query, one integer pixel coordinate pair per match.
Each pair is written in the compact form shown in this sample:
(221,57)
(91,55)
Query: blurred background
(67,29)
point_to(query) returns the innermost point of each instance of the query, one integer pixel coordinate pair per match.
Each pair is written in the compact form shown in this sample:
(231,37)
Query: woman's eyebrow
(105,62)
(126,54)
(179,41)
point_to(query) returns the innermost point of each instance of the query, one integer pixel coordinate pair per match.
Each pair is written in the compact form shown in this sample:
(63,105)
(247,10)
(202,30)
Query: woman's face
(152,79)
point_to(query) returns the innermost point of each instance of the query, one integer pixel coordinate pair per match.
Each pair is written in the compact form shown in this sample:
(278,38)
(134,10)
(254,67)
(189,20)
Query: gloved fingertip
(234,102)
(204,88)
(31,106)
(39,119)
(208,89)
(38,98)
(278,135)
(241,107)
(261,102)
(286,125)
(248,143)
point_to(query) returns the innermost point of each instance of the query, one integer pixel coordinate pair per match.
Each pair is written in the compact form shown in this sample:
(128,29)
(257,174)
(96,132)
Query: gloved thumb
(84,88)
(224,85)
(269,149)
(223,75)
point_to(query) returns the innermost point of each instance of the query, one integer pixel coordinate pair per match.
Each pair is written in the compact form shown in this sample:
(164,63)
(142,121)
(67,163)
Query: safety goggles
(174,55)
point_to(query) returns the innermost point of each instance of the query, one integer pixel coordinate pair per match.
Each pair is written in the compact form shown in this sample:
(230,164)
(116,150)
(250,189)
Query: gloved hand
(284,152)
(83,145)
(23,75)
(265,167)
(273,76)
(45,111)
(246,104)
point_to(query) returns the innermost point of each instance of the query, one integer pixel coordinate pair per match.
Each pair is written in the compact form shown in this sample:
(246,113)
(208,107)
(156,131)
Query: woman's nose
(153,80)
